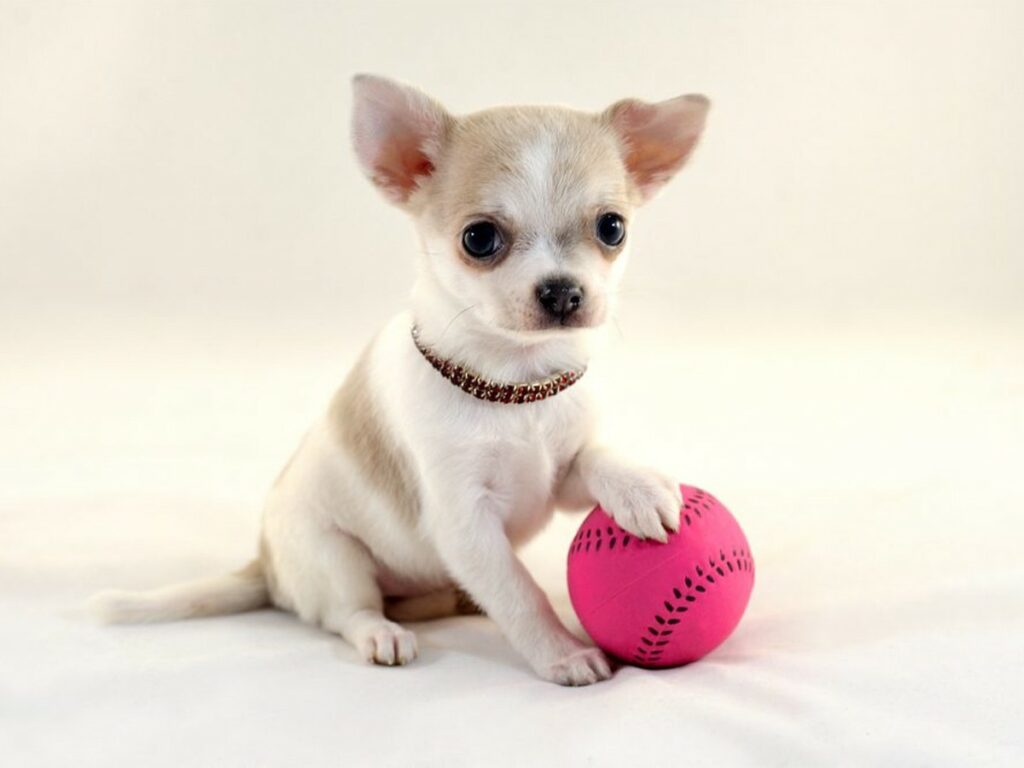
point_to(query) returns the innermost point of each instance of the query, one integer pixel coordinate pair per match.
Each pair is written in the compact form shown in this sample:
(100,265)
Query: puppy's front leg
(471,540)
(641,500)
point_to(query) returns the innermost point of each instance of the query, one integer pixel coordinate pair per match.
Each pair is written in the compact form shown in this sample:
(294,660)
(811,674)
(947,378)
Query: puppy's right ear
(398,133)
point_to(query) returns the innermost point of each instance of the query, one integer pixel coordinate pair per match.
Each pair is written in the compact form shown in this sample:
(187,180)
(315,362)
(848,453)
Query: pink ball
(662,605)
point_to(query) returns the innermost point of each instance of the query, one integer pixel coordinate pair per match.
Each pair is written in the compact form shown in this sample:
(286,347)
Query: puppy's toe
(585,666)
(406,648)
(389,644)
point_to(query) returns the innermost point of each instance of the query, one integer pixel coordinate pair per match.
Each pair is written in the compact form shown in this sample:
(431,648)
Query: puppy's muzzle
(560,297)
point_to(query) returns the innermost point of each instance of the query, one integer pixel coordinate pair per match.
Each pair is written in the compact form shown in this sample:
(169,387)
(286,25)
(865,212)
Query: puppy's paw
(388,644)
(641,501)
(584,665)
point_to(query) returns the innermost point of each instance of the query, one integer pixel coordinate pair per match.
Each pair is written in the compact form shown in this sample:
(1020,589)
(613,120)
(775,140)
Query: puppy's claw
(669,518)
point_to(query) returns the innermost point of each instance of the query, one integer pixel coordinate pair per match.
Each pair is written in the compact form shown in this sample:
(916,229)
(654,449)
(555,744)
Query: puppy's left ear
(657,139)
(398,133)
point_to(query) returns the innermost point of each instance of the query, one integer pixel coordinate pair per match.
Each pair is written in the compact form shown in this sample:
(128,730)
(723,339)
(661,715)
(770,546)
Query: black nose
(560,297)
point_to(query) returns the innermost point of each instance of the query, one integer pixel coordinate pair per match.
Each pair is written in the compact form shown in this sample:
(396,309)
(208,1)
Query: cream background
(825,310)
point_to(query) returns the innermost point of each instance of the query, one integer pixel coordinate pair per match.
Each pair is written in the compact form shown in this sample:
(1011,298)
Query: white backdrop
(829,302)
(193,157)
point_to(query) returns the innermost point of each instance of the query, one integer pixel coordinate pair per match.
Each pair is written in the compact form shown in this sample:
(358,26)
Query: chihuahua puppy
(469,419)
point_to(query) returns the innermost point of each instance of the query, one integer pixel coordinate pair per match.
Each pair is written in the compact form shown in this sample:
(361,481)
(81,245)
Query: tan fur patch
(355,420)
(266,563)
(452,601)
(253,570)
(483,168)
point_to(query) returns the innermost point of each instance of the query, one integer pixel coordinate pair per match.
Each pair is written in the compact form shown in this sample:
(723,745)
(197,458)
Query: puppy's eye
(481,240)
(611,229)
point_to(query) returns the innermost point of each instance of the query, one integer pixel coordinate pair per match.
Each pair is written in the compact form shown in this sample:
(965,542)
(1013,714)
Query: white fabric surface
(876,474)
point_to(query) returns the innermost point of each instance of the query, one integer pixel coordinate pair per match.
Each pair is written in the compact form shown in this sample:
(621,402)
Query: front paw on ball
(647,505)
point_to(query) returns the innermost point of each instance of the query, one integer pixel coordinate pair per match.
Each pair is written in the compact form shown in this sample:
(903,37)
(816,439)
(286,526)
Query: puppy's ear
(657,139)
(397,132)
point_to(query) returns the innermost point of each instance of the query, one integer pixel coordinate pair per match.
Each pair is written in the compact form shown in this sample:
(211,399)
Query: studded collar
(482,388)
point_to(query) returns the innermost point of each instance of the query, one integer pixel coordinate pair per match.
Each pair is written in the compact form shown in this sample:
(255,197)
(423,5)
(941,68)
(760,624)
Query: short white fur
(336,549)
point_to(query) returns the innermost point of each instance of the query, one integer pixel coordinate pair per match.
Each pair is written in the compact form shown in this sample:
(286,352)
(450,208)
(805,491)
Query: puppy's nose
(560,297)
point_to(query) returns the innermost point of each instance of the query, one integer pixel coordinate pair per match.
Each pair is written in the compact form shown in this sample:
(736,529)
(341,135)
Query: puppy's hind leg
(433,605)
(355,608)
(340,590)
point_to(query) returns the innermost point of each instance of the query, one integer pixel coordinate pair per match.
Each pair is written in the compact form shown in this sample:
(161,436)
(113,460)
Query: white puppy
(430,467)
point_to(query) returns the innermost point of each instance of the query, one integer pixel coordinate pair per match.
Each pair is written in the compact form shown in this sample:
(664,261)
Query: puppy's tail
(243,590)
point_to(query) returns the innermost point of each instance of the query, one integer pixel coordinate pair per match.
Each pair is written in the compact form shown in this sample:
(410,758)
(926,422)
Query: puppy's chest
(518,461)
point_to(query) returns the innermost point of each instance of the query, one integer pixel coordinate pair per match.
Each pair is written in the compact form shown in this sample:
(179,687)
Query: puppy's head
(524,212)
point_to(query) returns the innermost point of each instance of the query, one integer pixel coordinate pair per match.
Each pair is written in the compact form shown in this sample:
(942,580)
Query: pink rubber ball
(661,605)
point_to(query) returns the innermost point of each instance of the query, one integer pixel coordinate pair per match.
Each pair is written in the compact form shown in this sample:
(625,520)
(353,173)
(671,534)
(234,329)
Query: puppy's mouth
(543,323)
(528,325)
(570,323)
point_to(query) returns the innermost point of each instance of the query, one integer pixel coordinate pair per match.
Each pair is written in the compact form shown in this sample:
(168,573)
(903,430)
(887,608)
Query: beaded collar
(476,385)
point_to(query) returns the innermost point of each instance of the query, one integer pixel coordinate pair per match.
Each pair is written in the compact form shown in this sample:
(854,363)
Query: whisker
(457,316)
